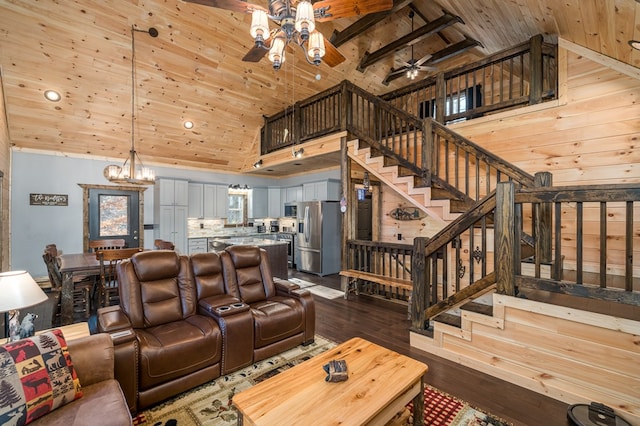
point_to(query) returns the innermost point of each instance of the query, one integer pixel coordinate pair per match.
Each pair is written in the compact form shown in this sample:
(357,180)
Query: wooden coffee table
(381,382)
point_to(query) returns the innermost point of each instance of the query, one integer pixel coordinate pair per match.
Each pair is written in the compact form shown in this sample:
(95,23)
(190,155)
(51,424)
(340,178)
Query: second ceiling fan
(295,24)
(413,66)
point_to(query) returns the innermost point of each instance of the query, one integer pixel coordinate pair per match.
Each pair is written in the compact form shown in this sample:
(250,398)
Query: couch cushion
(36,377)
(101,403)
(178,348)
(275,319)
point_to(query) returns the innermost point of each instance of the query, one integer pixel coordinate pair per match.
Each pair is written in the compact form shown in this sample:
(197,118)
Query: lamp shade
(259,24)
(316,45)
(19,290)
(304,17)
(276,53)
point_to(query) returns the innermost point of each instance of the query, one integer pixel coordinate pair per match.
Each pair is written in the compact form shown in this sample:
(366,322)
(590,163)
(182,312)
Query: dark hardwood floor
(385,323)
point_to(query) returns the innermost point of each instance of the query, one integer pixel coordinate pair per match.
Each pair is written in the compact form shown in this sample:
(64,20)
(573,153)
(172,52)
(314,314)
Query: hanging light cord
(133,87)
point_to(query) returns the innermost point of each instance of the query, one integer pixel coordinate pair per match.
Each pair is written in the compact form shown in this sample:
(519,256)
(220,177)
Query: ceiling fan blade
(396,71)
(333,9)
(332,55)
(234,5)
(422,60)
(255,54)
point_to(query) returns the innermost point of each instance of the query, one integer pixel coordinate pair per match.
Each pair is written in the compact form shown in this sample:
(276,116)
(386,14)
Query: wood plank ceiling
(193,69)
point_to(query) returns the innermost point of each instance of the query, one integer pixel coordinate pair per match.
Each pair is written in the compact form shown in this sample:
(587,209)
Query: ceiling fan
(295,24)
(413,66)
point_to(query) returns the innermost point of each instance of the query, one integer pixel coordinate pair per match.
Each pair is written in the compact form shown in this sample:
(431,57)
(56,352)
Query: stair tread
(479,308)
(449,319)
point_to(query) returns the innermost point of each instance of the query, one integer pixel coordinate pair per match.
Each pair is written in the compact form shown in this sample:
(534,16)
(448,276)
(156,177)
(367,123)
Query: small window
(238,202)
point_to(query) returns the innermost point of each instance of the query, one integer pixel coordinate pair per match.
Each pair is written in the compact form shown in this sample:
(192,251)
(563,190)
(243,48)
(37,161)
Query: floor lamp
(19,290)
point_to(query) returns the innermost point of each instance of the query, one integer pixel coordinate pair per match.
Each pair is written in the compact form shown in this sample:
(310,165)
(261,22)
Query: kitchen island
(276,252)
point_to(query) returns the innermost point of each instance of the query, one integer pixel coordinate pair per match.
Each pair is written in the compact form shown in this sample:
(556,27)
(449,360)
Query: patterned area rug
(210,404)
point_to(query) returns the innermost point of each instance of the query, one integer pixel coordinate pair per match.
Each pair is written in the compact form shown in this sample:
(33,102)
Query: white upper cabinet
(327,190)
(275,203)
(259,207)
(196,201)
(293,194)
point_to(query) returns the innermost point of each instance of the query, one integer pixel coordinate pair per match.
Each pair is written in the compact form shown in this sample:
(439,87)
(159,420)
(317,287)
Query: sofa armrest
(113,321)
(93,358)
(287,288)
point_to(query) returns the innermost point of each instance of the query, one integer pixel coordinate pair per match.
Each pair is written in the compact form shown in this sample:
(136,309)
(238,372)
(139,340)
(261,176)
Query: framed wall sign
(48,199)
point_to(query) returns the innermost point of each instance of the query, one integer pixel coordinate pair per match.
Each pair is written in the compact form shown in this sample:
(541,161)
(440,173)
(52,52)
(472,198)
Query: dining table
(74,265)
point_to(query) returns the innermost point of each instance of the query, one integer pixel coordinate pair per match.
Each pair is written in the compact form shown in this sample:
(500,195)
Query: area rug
(317,289)
(210,404)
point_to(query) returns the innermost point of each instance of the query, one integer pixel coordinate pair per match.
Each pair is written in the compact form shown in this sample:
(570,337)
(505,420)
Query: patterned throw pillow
(36,376)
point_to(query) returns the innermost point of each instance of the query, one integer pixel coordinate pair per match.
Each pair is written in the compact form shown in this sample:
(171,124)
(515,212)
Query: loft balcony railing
(523,75)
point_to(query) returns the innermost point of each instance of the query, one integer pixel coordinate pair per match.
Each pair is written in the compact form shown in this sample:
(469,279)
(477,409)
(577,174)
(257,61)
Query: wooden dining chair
(108,244)
(108,287)
(164,245)
(82,288)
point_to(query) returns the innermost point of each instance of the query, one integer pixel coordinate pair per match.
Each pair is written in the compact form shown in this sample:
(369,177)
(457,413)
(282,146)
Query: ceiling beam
(441,55)
(338,38)
(439,24)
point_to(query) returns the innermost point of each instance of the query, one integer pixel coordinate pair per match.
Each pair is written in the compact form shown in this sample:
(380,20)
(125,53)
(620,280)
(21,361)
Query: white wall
(33,227)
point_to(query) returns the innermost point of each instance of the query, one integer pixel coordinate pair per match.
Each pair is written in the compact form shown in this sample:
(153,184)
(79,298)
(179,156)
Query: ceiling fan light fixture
(305,23)
(316,47)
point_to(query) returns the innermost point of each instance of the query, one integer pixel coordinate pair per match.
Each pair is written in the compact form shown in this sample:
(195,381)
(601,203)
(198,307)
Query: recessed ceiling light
(188,124)
(52,95)
(635,44)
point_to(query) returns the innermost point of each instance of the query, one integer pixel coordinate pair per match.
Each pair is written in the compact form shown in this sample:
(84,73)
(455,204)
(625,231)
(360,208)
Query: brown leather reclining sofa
(183,321)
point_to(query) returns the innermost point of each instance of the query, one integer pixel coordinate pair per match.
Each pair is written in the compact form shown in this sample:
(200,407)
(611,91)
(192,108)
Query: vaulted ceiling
(193,71)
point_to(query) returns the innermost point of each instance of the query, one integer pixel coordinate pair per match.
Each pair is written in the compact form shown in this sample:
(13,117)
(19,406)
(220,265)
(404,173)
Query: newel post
(535,67)
(419,277)
(505,236)
(543,220)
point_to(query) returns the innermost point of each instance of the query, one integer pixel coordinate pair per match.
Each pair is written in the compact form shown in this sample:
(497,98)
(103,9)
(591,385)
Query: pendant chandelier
(132,170)
(297,25)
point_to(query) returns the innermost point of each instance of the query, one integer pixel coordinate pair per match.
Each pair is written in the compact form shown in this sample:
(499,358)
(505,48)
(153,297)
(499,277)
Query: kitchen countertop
(254,241)
(227,236)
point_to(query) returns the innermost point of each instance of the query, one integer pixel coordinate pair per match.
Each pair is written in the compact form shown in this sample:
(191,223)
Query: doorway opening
(113,212)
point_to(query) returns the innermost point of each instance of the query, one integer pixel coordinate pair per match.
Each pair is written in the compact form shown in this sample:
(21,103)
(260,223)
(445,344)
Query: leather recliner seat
(177,348)
(283,314)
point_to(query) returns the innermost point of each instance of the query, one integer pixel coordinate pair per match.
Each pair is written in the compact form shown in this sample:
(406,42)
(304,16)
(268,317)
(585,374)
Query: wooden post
(505,238)
(346,190)
(428,144)
(345,123)
(420,292)
(441,96)
(543,220)
(535,67)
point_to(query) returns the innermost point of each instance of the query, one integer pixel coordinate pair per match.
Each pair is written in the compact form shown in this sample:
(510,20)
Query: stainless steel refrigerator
(318,238)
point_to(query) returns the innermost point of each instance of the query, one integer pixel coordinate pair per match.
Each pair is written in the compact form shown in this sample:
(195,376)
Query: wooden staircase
(404,184)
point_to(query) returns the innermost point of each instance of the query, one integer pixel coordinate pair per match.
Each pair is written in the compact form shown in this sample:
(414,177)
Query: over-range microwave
(290,209)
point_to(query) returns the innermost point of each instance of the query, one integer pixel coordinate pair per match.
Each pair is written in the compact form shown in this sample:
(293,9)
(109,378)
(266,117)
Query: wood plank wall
(567,354)
(5,163)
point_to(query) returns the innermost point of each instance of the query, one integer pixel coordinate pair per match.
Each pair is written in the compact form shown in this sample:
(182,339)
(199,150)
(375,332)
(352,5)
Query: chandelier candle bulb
(305,23)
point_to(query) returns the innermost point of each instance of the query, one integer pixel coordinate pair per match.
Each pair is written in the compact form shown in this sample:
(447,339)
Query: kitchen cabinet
(274,203)
(327,190)
(196,200)
(197,245)
(258,206)
(172,192)
(207,201)
(293,194)
(221,203)
(171,211)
